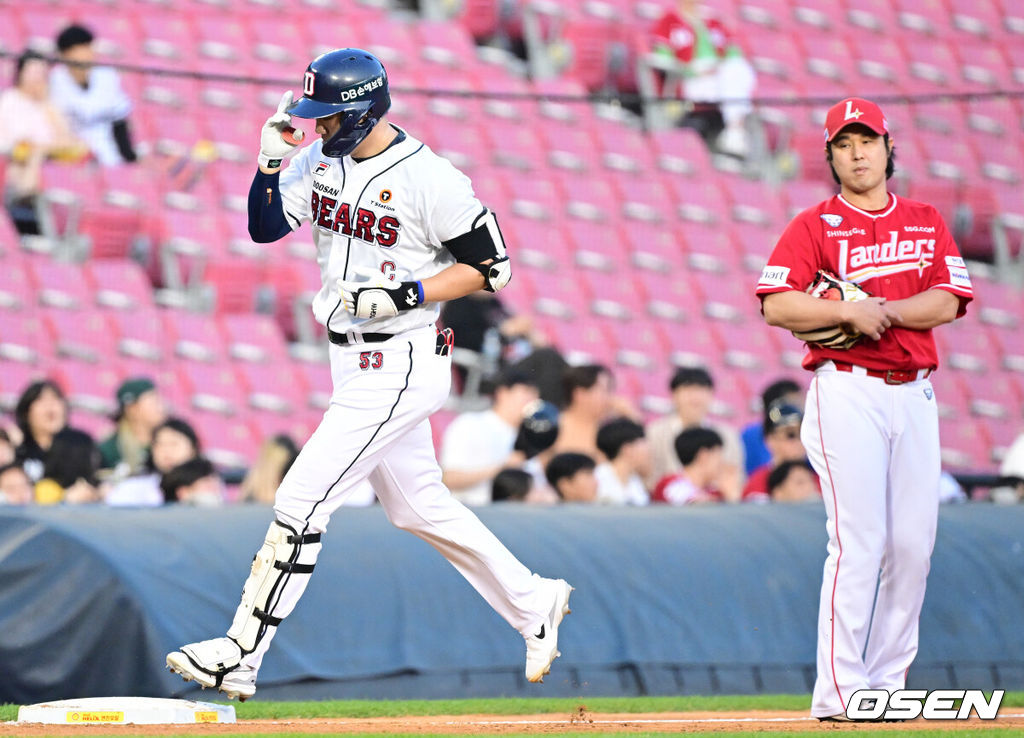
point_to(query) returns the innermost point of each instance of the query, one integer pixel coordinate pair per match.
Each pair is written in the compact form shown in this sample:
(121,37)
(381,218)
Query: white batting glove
(278,138)
(375,296)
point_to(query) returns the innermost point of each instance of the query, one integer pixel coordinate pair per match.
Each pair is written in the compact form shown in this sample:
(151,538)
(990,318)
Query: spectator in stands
(511,485)
(15,486)
(693,391)
(620,479)
(755,452)
(8,448)
(782,435)
(275,458)
(91,97)
(713,70)
(194,482)
(571,475)
(69,474)
(537,435)
(589,401)
(484,325)
(700,453)
(174,443)
(477,445)
(140,409)
(32,131)
(41,413)
(793,481)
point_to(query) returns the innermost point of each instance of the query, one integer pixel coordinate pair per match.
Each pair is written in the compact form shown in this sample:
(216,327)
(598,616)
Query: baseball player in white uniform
(871,426)
(397,231)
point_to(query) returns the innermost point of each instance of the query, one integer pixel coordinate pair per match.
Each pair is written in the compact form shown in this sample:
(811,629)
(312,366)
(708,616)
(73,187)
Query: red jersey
(676,32)
(894,253)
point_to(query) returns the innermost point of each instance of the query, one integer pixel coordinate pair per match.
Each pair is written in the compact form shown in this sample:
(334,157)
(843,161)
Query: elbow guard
(483,248)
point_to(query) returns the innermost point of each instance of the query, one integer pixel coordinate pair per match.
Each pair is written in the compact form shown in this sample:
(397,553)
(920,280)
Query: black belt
(342,340)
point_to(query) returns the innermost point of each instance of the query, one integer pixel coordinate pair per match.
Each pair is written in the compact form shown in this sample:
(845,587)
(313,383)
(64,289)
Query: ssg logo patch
(831,219)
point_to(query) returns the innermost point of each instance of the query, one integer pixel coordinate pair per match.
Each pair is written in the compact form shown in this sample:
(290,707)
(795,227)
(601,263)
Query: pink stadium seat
(966,348)
(444,43)
(652,246)
(589,38)
(826,54)
(948,157)
(80,333)
(266,424)
(753,201)
(691,342)
(710,248)
(748,344)
(221,37)
(253,337)
(140,332)
(983,64)
(706,204)
(461,142)
(588,198)
(272,385)
(598,245)
(1001,433)
(15,377)
(980,18)
(168,35)
(316,377)
(964,445)
(571,146)
(213,386)
(164,374)
(580,340)
(725,297)
(667,296)
(537,197)
(882,58)
(120,284)
(950,393)
(932,64)
(624,148)
(16,292)
(996,396)
(560,293)
(926,17)
(638,343)
(229,442)
(682,151)
(613,295)
(195,336)
(89,386)
(649,195)
(59,284)
(236,284)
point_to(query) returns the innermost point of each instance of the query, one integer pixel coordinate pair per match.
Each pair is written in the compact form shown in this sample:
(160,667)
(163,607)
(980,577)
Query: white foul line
(673,721)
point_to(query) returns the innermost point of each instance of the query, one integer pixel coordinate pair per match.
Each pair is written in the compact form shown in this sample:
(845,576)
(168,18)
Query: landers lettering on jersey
(363,224)
(889,257)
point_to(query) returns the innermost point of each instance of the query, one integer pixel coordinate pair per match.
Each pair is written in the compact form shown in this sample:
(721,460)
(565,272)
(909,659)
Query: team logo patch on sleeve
(773,276)
(832,219)
(321,168)
(955,261)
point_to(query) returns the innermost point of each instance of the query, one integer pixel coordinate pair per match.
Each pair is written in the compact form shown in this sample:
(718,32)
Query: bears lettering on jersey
(364,224)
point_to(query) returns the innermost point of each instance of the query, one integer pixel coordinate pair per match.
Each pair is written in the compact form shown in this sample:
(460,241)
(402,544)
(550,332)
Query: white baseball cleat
(542,647)
(215,663)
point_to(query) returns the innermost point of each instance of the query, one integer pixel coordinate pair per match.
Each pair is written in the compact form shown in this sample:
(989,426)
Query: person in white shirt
(620,478)
(92,98)
(478,445)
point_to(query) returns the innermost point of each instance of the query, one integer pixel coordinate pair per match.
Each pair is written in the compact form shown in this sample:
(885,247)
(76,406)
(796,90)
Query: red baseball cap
(854,110)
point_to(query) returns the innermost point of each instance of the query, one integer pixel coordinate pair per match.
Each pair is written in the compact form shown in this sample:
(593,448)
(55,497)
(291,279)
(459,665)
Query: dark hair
(890,164)
(539,429)
(179,426)
(686,376)
(778,476)
(565,466)
(511,485)
(689,443)
(776,391)
(13,465)
(285,441)
(5,437)
(512,377)
(26,56)
(615,434)
(580,377)
(73,35)
(28,398)
(183,475)
(74,455)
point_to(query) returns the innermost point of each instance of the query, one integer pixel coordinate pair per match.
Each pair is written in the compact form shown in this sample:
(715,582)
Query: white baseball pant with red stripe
(875,447)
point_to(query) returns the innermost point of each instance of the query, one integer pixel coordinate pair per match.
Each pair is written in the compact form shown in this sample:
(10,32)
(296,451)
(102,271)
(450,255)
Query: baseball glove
(827,286)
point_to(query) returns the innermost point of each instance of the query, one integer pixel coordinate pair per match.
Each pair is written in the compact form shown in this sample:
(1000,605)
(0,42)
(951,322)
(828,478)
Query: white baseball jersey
(389,212)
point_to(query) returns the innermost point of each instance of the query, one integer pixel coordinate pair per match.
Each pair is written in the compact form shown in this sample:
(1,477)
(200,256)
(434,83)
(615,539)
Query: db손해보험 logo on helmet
(362,89)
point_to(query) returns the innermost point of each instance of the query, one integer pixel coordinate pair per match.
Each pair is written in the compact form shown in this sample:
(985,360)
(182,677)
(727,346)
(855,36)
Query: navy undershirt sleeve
(266,213)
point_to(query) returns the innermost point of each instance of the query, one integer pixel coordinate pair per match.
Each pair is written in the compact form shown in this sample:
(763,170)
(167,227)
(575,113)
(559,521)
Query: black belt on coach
(341,339)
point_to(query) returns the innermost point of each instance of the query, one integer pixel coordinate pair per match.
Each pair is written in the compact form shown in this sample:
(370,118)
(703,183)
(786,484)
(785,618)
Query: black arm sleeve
(266,213)
(123,139)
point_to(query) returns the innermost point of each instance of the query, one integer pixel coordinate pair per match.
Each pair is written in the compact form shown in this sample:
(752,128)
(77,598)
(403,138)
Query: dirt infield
(581,720)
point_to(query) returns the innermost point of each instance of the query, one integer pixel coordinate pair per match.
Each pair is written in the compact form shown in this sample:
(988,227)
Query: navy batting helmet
(348,81)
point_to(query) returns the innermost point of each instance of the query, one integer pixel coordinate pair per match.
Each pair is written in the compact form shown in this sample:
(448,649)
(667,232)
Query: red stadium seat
(83,334)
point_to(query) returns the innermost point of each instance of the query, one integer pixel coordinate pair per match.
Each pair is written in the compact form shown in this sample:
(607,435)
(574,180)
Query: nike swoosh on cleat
(541,634)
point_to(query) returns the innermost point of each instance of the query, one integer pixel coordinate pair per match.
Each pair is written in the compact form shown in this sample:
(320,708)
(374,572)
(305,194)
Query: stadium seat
(598,245)
(316,378)
(964,445)
(91,387)
(59,283)
(950,393)
(15,377)
(120,284)
(979,18)
(996,395)
(582,340)
(228,442)
(195,336)
(668,296)
(16,293)
(140,332)
(84,334)
(272,385)
(655,247)
(253,337)
(682,152)
(213,387)
(613,294)
(638,343)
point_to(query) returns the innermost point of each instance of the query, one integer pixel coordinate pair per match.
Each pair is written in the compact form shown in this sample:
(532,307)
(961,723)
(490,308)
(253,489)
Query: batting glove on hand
(377,296)
(278,138)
